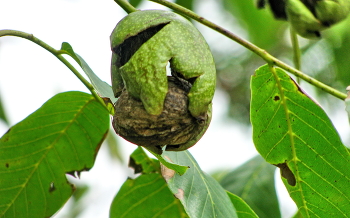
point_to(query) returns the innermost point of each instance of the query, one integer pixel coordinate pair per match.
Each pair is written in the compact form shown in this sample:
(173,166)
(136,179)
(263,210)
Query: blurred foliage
(262,28)
(337,40)
(254,182)
(234,73)
(185,3)
(135,3)
(3,116)
(113,146)
(77,205)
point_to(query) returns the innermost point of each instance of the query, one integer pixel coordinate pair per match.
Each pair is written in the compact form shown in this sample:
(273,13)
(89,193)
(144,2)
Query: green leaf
(146,196)
(180,169)
(219,174)
(201,195)
(242,208)
(135,3)
(338,41)
(140,161)
(254,182)
(102,88)
(297,215)
(63,136)
(114,147)
(143,194)
(291,131)
(185,3)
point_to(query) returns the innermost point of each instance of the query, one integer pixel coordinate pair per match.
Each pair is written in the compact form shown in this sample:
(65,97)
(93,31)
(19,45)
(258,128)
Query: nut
(144,43)
(175,127)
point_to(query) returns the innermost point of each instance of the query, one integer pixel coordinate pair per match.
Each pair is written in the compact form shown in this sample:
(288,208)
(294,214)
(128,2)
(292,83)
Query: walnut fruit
(174,128)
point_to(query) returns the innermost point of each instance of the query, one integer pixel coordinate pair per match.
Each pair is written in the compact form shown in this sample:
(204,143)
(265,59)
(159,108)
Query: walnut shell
(174,127)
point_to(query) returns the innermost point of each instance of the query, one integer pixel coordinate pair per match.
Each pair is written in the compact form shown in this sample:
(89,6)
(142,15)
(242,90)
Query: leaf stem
(310,80)
(126,6)
(250,46)
(296,50)
(56,53)
(186,12)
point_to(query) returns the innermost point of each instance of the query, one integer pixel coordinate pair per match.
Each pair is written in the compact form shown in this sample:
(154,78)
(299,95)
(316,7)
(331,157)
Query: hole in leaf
(130,45)
(287,173)
(137,167)
(52,187)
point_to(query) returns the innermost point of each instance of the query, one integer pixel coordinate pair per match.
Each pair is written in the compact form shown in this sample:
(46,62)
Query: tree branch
(262,53)
(57,54)
(126,6)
